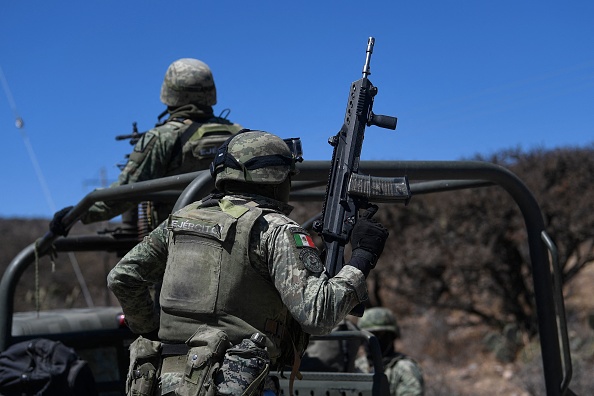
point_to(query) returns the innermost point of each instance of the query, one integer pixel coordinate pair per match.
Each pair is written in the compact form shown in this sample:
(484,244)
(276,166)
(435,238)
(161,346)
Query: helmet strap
(278,192)
(283,190)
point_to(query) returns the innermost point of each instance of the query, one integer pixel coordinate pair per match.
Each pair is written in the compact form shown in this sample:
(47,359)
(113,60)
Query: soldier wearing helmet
(404,374)
(235,264)
(185,142)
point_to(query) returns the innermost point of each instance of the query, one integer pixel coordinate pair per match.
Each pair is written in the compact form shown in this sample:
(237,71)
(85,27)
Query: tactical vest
(199,143)
(195,146)
(209,278)
(196,143)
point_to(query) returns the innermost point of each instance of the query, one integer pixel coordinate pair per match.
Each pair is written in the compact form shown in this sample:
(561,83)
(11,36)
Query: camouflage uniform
(404,374)
(189,92)
(236,265)
(303,286)
(157,155)
(294,273)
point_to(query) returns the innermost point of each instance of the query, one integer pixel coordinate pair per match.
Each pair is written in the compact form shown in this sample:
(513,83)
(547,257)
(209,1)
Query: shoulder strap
(183,139)
(392,360)
(185,136)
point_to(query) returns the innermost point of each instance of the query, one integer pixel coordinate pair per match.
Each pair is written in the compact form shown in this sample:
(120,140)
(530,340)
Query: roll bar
(425,177)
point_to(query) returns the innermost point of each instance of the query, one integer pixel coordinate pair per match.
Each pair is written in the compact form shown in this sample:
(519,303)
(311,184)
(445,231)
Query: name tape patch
(176,224)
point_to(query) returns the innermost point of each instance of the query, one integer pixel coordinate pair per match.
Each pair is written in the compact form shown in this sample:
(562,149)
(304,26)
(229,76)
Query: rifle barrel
(368,52)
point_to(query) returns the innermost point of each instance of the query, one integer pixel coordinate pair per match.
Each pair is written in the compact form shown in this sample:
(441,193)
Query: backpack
(199,143)
(194,148)
(203,140)
(44,367)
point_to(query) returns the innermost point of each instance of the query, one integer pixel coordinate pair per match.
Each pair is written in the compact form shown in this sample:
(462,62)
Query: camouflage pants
(170,381)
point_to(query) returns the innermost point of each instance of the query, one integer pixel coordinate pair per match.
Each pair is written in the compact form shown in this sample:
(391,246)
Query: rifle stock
(347,190)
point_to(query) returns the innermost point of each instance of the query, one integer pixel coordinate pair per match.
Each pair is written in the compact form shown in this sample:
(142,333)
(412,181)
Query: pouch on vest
(244,368)
(145,356)
(198,243)
(206,349)
(204,141)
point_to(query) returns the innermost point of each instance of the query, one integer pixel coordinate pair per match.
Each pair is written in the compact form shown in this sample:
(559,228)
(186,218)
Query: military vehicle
(99,334)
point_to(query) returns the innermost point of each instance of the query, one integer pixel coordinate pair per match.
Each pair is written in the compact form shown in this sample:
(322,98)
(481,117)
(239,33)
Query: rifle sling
(183,139)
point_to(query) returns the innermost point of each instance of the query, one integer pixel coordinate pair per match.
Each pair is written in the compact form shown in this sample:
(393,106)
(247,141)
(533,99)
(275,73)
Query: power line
(20,125)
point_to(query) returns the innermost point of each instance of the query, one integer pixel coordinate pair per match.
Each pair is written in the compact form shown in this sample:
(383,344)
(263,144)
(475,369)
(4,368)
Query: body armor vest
(209,278)
(198,143)
(194,149)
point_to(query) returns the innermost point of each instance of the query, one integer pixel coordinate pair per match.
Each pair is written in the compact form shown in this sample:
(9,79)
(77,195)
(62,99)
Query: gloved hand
(56,226)
(368,239)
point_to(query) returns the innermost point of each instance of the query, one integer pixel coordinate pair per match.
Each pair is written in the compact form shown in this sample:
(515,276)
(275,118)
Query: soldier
(404,374)
(234,265)
(185,142)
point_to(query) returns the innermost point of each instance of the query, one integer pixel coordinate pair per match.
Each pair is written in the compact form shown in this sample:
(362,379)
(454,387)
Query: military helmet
(188,81)
(379,319)
(255,157)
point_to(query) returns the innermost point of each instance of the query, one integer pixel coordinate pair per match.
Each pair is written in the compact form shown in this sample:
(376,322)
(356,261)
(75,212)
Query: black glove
(367,240)
(56,226)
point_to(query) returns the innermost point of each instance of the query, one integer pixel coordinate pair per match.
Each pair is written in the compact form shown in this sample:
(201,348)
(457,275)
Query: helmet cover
(188,81)
(379,319)
(253,157)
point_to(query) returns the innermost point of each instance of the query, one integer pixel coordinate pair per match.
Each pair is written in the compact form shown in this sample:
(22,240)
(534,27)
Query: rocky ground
(457,361)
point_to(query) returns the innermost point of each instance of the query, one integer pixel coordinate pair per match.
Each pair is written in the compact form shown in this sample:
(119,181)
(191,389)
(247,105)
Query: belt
(174,349)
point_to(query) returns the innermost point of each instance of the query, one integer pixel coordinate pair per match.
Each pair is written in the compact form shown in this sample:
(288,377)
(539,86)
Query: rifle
(347,191)
(134,136)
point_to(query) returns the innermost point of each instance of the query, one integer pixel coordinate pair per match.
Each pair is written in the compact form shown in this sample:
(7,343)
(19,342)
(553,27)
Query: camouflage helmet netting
(379,319)
(188,81)
(252,144)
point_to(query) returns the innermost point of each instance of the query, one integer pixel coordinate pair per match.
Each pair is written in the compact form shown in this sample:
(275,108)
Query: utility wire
(20,124)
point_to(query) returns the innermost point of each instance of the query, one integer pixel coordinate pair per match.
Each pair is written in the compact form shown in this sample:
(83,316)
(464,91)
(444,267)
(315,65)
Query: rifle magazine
(379,189)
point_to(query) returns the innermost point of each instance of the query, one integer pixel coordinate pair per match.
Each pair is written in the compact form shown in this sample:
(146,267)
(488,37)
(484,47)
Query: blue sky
(463,77)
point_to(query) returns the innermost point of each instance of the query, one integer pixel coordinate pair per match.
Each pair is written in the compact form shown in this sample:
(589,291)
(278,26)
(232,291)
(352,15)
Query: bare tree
(467,250)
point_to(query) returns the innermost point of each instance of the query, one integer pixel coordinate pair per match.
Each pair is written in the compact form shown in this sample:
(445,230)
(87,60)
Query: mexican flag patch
(303,240)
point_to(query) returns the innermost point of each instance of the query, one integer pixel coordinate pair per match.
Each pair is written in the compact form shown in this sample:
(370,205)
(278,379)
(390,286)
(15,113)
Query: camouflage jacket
(158,154)
(318,303)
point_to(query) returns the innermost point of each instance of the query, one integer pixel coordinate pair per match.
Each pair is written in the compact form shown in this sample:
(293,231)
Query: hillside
(455,271)
(453,355)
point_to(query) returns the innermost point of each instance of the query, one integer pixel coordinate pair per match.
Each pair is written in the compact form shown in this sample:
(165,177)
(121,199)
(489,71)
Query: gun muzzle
(366,69)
